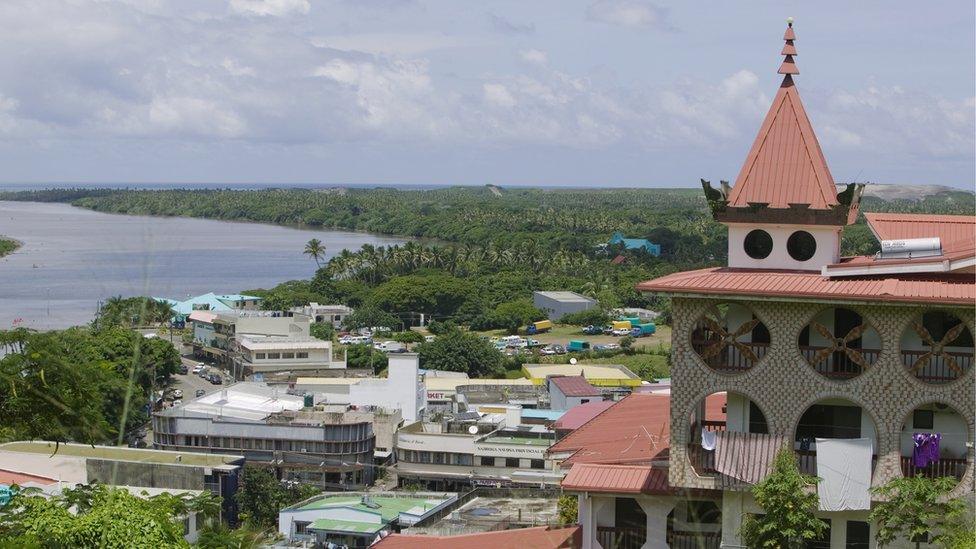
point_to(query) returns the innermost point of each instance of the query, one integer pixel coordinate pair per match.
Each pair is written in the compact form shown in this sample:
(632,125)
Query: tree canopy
(459,351)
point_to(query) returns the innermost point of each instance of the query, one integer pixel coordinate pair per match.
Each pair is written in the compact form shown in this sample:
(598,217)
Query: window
(274,356)
(757,420)
(704,512)
(537,464)
(511,462)
(287,355)
(300,527)
(923,419)
(801,245)
(758,244)
(858,535)
(830,421)
(301,355)
(466,459)
(487,461)
(259,356)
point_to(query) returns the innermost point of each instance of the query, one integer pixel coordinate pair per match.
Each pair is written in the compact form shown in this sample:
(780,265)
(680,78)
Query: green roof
(121,453)
(389,508)
(330,525)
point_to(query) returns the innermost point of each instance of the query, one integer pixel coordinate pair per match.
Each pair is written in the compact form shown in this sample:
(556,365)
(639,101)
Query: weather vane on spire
(788,67)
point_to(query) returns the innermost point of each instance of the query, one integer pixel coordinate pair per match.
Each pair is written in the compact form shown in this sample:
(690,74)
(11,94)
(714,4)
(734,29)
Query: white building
(279,354)
(334,314)
(403,388)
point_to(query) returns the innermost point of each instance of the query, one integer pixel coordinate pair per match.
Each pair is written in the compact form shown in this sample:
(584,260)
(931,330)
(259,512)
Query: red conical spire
(789,50)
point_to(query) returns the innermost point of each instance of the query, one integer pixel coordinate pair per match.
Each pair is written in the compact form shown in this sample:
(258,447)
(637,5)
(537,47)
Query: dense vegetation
(262,495)
(87,384)
(7,246)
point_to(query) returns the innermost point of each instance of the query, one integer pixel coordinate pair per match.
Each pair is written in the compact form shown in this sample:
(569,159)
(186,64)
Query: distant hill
(913,192)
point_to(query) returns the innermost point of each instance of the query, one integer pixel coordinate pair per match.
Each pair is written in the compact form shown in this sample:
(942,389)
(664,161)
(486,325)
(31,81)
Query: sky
(603,93)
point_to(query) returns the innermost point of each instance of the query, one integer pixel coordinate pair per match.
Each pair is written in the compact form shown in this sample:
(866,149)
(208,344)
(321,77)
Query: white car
(177,402)
(621,332)
(429,338)
(547,351)
(197,369)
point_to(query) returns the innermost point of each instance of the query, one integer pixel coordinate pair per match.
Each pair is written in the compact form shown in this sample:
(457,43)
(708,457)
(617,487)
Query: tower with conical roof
(784,211)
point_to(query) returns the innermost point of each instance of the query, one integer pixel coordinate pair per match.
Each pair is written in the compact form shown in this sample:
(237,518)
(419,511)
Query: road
(190,382)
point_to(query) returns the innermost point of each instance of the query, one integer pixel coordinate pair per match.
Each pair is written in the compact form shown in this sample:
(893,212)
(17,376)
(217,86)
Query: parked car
(200,393)
(182,369)
(560,350)
(547,350)
(592,330)
(177,393)
(197,369)
(178,402)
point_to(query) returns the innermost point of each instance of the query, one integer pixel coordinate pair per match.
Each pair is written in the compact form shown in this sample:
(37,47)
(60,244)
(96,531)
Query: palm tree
(315,250)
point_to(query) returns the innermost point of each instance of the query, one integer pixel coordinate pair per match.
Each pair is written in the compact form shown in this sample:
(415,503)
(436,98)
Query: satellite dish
(572,360)
(473,429)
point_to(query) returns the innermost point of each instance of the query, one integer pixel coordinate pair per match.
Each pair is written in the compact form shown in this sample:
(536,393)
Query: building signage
(492,450)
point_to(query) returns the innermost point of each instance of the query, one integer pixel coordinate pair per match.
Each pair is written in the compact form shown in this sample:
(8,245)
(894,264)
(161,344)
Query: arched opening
(630,526)
(839,344)
(937,347)
(933,441)
(832,418)
(728,337)
(719,412)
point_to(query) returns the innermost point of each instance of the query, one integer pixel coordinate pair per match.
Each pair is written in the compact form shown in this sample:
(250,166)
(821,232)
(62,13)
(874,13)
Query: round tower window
(758,244)
(801,245)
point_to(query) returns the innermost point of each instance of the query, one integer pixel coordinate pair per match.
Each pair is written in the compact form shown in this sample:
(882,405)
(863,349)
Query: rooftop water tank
(911,247)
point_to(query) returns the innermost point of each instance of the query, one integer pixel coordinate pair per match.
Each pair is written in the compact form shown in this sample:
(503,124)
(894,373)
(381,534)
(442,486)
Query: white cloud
(498,94)
(275,8)
(629,13)
(538,57)
(194,116)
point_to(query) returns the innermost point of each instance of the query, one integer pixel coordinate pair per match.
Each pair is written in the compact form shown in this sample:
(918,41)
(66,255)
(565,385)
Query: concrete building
(216,334)
(600,375)
(557,304)
(403,389)
(262,355)
(333,314)
(356,520)
(329,446)
(844,359)
(474,449)
(566,392)
(137,469)
(211,302)
(451,394)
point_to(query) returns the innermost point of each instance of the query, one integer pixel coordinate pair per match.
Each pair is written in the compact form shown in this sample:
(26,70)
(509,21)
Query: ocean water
(72,259)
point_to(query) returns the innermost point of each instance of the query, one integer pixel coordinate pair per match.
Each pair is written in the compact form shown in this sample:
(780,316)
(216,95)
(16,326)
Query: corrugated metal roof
(542,537)
(579,415)
(574,386)
(634,430)
(625,479)
(957,232)
(947,289)
(785,165)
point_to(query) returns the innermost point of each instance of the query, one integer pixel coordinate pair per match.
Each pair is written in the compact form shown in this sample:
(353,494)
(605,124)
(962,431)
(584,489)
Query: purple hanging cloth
(926,448)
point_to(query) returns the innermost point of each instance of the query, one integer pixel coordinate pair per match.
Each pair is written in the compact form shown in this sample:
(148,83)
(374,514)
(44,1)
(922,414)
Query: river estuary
(73,258)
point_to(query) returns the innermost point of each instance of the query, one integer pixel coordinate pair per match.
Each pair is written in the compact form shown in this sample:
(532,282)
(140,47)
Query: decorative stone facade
(783,384)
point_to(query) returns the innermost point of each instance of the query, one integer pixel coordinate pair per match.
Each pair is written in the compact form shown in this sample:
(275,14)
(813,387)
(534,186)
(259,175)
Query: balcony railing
(694,540)
(614,537)
(938,369)
(703,461)
(838,365)
(729,359)
(946,467)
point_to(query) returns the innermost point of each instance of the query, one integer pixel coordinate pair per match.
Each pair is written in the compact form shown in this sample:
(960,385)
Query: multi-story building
(475,449)
(332,314)
(325,445)
(808,348)
(216,334)
(260,355)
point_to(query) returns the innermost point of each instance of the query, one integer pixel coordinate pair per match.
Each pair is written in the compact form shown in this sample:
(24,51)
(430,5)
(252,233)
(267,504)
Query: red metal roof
(947,289)
(634,430)
(575,386)
(785,165)
(13,477)
(542,537)
(576,416)
(957,232)
(619,479)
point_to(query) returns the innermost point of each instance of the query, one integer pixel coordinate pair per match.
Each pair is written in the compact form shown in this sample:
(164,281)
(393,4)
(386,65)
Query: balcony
(730,359)
(703,461)
(938,369)
(945,467)
(838,365)
(695,540)
(615,537)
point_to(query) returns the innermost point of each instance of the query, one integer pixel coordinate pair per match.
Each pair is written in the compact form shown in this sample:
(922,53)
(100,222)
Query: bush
(595,316)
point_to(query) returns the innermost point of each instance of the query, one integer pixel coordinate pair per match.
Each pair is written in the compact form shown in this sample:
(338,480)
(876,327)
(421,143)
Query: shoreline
(17,244)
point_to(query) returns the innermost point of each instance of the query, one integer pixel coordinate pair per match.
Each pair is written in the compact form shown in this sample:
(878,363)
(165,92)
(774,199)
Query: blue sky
(554,92)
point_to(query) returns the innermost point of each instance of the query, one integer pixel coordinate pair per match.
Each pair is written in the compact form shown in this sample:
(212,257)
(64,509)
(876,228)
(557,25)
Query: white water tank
(911,247)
